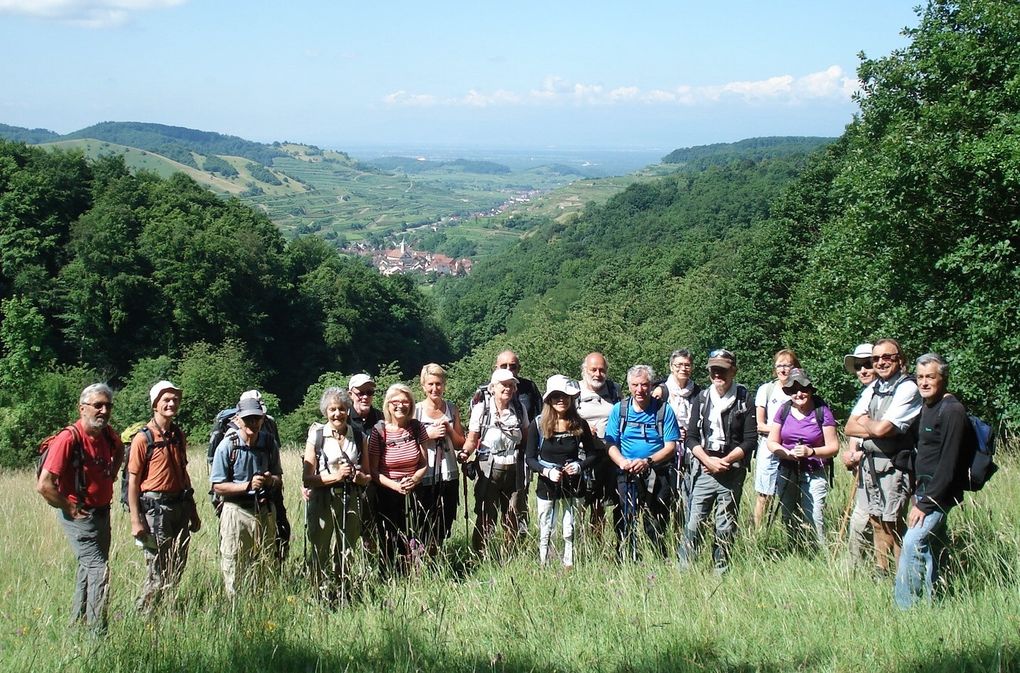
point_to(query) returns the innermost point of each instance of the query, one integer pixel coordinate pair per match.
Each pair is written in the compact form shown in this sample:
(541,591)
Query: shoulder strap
(319,441)
(660,417)
(784,411)
(624,412)
(78,462)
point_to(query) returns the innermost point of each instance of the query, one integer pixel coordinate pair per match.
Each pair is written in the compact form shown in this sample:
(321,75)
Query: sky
(655,74)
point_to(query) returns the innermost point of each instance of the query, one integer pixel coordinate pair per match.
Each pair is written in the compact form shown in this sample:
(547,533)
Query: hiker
(679,389)
(943,433)
(397,462)
(438,495)
(76,478)
(767,400)
(160,496)
(859,364)
(559,448)
(641,438)
(803,438)
(721,435)
(364,417)
(270,435)
(530,400)
(598,394)
(881,418)
(245,472)
(335,472)
(495,432)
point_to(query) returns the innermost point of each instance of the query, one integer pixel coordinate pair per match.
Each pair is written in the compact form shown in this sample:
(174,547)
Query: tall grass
(777,609)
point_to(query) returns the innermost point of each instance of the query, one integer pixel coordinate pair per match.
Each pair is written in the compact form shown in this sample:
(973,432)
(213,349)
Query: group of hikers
(391,481)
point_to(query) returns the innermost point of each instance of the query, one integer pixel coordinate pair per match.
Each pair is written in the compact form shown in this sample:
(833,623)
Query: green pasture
(777,610)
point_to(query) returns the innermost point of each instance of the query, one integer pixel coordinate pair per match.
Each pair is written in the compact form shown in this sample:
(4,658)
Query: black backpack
(979,464)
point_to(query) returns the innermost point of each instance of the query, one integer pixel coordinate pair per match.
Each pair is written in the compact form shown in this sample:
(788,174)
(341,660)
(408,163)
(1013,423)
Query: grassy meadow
(777,610)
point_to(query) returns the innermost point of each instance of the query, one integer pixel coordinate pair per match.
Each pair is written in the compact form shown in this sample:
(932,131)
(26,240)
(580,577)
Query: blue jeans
(918,568)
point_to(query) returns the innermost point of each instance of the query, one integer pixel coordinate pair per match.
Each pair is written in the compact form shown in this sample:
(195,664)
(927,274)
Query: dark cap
(721,357)
(249,407)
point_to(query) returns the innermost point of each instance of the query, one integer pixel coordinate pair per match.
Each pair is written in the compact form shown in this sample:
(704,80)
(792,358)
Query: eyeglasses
(885,357)
(396,404)
(680,365)
(512,366)
(99,406)
(862,364)
(363,393)
(783,365)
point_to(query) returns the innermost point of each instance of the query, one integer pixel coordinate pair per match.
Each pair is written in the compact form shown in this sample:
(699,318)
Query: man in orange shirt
(160,496)
(76,478)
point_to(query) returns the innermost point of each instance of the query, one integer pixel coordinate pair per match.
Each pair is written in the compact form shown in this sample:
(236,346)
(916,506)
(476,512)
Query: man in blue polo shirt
(641,438)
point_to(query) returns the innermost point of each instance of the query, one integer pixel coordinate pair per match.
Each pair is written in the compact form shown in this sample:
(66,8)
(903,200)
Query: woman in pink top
(803,438)
(397,462)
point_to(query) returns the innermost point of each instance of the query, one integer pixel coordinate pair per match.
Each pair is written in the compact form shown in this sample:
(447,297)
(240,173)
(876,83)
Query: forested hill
(106,275)
(31,136)
(176,142)
(908,226)
(750,149)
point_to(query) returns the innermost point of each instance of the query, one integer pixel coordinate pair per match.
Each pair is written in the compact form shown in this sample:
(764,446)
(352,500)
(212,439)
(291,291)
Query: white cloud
(87,13)
(831,83)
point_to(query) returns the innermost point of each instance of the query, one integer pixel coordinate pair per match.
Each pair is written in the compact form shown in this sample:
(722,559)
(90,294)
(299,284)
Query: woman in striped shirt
(397,461)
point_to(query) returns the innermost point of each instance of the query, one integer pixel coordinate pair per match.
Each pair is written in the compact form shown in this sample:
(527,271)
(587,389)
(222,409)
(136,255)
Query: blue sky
(654,74)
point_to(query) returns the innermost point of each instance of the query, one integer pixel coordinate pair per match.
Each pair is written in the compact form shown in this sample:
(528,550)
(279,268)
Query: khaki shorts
(883,494)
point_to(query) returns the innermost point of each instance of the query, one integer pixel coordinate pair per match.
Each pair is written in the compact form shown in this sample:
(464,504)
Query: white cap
(558,383)
(862,352)
(160,388)
(502,376)
(359,380)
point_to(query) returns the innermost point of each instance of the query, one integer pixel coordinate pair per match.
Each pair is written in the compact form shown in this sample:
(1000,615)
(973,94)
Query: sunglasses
(722,353)
(885,357)
(512,366)
(862,364)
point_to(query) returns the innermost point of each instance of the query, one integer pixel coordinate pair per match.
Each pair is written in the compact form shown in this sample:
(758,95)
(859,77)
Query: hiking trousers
(721,494)
(548,510)
(89,538)
(649,496)
(333,534)
(247,544)
(802,495)
(169,522)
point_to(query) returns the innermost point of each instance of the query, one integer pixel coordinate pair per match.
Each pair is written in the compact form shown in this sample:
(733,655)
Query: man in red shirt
(160,496)
(77,479)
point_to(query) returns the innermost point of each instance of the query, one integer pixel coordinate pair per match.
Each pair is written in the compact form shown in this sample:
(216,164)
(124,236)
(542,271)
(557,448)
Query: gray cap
(249,407)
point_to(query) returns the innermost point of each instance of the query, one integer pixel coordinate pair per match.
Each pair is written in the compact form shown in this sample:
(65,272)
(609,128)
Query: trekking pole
(845,521)
(343,542)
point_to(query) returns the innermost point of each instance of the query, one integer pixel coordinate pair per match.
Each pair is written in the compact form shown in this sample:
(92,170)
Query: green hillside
(754,149)
(30,136)
(908,226)
(176,142)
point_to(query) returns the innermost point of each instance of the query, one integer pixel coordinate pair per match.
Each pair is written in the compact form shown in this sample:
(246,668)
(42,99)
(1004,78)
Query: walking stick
(845,521)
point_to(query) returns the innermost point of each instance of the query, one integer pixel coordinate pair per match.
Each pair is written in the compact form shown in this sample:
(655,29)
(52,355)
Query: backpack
(739,407)
(320,440)
(483,395)
(77,459)
(172,436)
(980,465)
(784,412)
(660,415)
